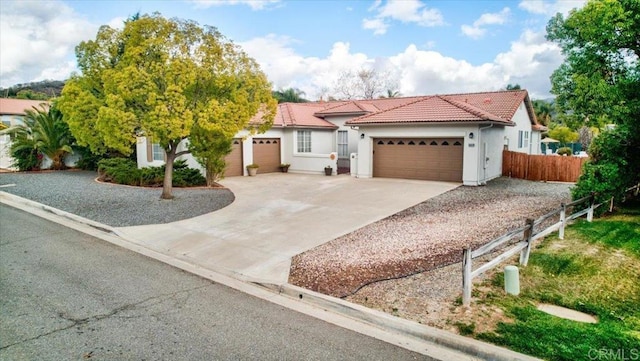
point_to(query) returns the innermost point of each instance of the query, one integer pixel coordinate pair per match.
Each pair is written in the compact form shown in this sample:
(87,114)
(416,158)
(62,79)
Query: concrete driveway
(276,216)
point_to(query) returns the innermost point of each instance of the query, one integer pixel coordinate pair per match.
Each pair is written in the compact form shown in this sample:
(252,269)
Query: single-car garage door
(438,159)
(234,160)
(266,154)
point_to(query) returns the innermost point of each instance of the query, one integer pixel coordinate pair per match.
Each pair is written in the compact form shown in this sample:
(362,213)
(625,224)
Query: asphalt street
(67,296)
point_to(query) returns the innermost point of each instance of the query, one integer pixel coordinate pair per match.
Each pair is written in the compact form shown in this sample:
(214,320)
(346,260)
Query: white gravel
(115,205)
(429,235)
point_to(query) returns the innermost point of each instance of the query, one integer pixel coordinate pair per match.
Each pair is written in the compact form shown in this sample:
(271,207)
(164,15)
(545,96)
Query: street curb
(435,343)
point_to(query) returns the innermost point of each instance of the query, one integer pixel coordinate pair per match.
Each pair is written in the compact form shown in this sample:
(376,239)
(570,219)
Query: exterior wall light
(471,135)
(362,136)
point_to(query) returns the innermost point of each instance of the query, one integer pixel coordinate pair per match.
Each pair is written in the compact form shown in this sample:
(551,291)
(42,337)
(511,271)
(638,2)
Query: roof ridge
(471,109)
(422,98)
(291,117)
(487,92)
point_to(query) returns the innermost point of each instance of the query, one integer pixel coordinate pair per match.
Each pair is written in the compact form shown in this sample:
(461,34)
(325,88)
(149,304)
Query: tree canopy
(163,78)
(290,95)
(599,84)
(364,84)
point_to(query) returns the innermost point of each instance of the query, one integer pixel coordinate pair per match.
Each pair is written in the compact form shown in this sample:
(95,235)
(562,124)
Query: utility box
(512,280)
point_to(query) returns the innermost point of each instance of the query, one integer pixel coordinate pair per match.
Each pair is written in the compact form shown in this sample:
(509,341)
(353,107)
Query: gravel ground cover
(77,192)
(427,236)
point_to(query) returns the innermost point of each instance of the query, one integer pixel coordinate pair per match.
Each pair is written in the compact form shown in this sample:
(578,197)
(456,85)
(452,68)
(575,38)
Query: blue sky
(423,47)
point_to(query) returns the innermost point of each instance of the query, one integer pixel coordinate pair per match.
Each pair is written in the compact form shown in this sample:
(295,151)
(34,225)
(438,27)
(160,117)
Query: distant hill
(42,90)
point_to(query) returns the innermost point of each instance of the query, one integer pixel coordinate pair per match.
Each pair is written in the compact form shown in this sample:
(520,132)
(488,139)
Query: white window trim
(157,152)
(344,145)
(303,141)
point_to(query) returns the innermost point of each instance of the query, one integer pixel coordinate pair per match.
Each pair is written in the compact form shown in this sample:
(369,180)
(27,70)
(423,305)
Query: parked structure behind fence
(541,167)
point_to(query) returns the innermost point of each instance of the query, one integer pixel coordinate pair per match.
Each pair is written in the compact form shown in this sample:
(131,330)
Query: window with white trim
(158,152)
(304,141)
(526,139)
(343,143)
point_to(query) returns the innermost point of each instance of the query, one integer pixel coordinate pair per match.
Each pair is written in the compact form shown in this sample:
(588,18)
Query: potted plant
(252,169)
(284,167)
(328,170)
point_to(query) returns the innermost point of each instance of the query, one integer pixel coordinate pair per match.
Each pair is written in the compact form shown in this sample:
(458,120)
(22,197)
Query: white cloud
(529,62)
(406,11)
(38,40)
(549,8)
(378,26)
(478,30)
(253,4)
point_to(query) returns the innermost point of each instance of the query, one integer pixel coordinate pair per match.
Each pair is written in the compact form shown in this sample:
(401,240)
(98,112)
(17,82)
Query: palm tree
(43,132)
(391,94)
(291,95)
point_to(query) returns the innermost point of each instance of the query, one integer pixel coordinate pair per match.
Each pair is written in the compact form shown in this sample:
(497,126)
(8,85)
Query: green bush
(87,160)
(119,170)
(565,151)
(26,159)
(125,171)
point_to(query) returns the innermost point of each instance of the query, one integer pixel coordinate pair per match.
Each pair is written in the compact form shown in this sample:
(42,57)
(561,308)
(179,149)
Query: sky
(424,47)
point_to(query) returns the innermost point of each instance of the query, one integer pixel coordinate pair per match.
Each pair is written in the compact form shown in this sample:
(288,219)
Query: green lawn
(596,270)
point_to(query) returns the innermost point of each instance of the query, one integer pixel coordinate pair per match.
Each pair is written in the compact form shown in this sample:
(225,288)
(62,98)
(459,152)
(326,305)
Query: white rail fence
(524,237)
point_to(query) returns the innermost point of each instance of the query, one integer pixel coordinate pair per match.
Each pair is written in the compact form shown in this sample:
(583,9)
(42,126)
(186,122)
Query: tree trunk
(210,175)
(167,184)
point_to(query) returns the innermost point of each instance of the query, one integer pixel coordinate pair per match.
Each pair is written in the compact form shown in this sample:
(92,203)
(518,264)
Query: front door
(344,163)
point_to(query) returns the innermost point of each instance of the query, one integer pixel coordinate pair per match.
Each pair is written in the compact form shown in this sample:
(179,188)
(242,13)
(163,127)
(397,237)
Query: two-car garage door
(438,159)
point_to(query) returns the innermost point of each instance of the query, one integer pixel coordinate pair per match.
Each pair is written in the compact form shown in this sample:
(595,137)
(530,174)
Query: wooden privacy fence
(525,236)
(541,167)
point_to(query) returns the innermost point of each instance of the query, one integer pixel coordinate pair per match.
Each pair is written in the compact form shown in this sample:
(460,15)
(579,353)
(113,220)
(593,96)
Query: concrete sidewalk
(276,216)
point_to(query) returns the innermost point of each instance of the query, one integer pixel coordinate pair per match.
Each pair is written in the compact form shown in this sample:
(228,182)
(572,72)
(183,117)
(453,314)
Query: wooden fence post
(528,233)
(466,276)
(592,201)
(563,220)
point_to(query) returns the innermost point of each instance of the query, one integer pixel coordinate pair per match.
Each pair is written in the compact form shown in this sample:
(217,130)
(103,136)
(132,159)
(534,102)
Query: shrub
(26,159)
(565,151)
(125,171)
(87,160)
(119,170)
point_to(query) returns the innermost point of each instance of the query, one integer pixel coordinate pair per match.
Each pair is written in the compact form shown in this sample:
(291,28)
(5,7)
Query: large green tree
(163,78)
(290,95)
(598,84)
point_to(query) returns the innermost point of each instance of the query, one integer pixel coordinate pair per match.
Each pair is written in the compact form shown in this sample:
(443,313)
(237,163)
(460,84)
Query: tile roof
(498,107)
(10,106)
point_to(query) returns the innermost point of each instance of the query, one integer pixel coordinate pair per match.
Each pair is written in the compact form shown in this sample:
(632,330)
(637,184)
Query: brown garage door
(234,160)
(437,159)
(266,154)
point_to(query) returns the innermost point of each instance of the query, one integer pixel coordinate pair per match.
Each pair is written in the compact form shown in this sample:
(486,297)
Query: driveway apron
(276,216)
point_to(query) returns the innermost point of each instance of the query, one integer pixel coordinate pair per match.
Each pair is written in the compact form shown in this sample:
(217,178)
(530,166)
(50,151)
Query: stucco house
(452,137)
(12,111)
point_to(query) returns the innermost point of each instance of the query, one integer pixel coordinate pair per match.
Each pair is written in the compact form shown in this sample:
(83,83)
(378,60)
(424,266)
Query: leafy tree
(30,94)
(211,148)
(43,132)
(163,78)
(290,95)
(544,111)
(563,134)
(391,94)
(599,83)
(363,84)
(513,87)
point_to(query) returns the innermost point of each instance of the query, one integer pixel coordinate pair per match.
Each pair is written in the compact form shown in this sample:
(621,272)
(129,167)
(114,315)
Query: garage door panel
(418,158)
(233,160)
(266,154)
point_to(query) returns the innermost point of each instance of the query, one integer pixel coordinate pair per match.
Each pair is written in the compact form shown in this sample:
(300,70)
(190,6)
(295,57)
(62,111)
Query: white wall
(474,171)
(5,153)
(322,147)
(523,122)
(141,154)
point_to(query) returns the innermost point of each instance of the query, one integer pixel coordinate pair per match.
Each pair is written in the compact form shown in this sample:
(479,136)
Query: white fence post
(466,276)
(591,205)
(528,233)
(563,220)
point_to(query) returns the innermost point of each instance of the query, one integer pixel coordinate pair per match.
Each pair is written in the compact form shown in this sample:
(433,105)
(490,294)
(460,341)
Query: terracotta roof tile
(9,106)
(301,115)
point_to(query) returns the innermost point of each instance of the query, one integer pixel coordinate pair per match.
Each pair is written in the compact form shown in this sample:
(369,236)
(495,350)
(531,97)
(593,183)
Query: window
(343,143)
(158,152)
(523,139)
(304,141)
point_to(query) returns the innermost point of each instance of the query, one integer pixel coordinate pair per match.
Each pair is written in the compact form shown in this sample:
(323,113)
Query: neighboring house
(455,137)
(12,111)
